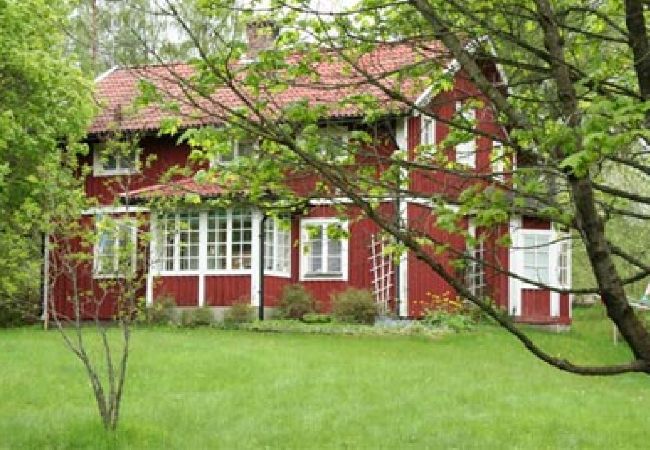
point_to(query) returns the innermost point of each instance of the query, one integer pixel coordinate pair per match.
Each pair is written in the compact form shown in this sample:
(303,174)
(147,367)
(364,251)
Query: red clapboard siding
(184,289)
(273,289)
(534,223)
(226,290)
(359,264)
(423,281)
(564,309)
(157,156)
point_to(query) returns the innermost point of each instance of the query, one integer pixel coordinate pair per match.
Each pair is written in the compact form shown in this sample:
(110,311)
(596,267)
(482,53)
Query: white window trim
(229,258)
(276,247)
(134,242)
(336,131)
(304,239)
(552,257)
(218,161)
(470,162)
(100,171)
(497,160)
(430,122)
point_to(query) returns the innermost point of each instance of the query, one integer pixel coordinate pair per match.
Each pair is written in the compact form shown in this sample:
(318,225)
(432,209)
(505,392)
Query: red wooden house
(212,257)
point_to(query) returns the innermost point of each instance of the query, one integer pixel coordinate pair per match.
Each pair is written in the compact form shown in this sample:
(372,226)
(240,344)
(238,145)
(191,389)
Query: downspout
(261,266)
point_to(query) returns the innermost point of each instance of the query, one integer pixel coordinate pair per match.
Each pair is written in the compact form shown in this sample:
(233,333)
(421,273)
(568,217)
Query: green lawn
(217,389)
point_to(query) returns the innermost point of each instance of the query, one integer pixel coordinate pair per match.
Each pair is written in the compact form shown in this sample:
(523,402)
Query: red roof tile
(117,90)
(177,188)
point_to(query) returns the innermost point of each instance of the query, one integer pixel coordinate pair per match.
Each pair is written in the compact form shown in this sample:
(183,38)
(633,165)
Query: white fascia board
(114,210)
(105,74)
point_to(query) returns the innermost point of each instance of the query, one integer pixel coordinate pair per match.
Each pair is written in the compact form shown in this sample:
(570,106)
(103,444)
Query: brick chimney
(260,35)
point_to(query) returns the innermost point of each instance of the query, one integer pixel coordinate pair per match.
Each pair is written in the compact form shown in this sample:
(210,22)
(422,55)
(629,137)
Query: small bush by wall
(162,312)
(197,317)
(295,302)
(240,312)
(355,306)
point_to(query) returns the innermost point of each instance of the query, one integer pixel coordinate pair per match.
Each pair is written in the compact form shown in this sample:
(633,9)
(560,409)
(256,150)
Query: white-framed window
(475,270)
(324,256)
(466,151)
(564,264)
(277,246)
(118,159)
(180,235)
(334,144)
(226,235)
(241,148)
(115,247)
(497,160)
(536,256)
(427,130)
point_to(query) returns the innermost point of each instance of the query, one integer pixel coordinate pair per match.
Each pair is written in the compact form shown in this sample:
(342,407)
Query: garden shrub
(197,317)
(295,302)
(162,312)
(355,306)
(455,321)
(316,318)
(19,311)
(240,312)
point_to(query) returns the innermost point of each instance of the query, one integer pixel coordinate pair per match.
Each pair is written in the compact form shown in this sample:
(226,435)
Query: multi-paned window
(428,133)
(563,264)
(115,251)
(325,251)
(242,148)
(466,151)
(116,159)
(475,272)
(277,246)
(227,242)
(179,233)
(536,256)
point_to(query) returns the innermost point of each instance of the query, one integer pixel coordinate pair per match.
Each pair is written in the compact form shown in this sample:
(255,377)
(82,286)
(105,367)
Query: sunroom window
(180,241)
(324,253)
(277,246)
(229,239)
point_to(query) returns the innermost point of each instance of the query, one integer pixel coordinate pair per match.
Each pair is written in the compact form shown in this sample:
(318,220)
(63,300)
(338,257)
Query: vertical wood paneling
(226,290)
(183,289)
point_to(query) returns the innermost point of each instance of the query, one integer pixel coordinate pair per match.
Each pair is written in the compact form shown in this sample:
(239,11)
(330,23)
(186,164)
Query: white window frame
(203,245)
(475,269)
(427,130)
(99,160)
(323,222)
(564,261)
(497,160)
(218,159)
(176,257)
(548,235)
(466,149)
(117,272)
(281,252)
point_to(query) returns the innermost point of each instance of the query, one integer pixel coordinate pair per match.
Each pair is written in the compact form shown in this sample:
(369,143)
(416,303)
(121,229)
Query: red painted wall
(183,289)
(226,290)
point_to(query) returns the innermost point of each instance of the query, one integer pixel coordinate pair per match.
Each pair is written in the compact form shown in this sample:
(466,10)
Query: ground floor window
(563,264)
(536,256)
(475,272)
(218,241)
(277,245)
(114,253)
(324,250)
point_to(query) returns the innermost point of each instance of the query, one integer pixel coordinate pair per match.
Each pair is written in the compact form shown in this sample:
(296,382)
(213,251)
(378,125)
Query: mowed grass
(206,388)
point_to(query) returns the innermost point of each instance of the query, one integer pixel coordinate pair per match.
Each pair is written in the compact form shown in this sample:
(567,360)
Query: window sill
(113,173)
(323,276)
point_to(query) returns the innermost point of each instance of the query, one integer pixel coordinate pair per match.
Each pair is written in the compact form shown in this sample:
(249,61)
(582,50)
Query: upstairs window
(116,159)
(323,257)
(466,151)
(115,251)
(239,149)
(334,144)
(428,132)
